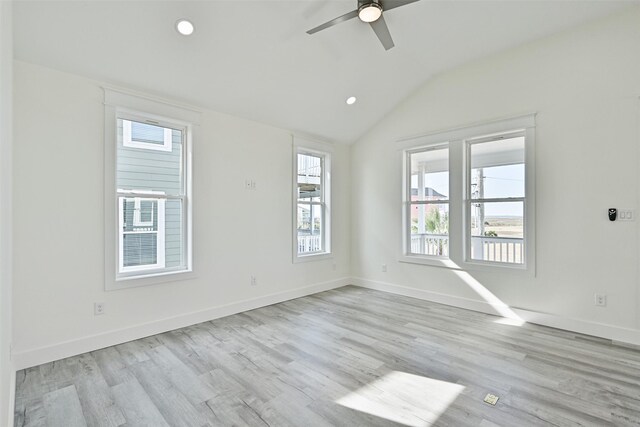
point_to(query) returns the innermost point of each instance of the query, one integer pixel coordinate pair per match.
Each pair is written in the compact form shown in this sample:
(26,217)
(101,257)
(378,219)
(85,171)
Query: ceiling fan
(369,11)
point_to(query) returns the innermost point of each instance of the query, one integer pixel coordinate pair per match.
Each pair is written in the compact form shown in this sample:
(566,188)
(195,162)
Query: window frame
(459,140)
(122,104)
(324,152)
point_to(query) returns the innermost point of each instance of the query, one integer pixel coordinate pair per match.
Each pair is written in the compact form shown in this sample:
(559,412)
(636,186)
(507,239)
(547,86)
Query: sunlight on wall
(404,398)
(510,317)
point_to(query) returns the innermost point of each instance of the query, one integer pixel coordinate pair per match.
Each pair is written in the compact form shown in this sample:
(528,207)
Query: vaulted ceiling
(253,59)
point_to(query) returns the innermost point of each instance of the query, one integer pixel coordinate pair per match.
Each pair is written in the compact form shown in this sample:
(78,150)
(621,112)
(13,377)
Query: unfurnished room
(319,213)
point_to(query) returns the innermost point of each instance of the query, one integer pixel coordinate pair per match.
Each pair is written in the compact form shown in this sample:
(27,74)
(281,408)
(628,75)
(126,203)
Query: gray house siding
(142,170)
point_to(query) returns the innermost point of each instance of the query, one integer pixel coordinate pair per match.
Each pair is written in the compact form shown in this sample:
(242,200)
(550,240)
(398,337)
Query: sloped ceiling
(253,59)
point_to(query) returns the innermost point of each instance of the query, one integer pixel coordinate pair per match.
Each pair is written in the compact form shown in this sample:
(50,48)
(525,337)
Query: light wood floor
(350,357)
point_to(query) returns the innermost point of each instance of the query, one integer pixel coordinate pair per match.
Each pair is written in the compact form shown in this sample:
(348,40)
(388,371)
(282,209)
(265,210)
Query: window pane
(140,240)
(150,134)
(143,170)
(430,229)
(310,228)
(309,178)
(497,169)
(497,232)
(147,209)
(174,234)
(430,175)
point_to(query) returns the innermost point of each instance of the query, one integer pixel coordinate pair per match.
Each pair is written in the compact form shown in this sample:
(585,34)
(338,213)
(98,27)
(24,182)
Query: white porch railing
(309,243)
(430,244)
(498,249)
(494,249)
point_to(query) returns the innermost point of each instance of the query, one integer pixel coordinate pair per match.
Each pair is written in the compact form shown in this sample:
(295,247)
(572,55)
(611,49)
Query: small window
(146,136)
(496,199)
(312,214)
(427,201)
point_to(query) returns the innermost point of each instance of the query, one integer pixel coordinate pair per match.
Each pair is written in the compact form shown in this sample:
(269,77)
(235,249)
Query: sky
(500,181)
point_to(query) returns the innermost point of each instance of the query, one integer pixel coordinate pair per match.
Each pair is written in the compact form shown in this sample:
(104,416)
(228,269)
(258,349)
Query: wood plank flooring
(347,357)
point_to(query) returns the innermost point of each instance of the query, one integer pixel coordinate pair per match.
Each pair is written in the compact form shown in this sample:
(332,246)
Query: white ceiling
(254,59)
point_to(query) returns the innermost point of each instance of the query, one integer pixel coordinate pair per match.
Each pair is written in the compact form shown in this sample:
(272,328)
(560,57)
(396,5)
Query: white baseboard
(602,330)
(33,357)
(37,356)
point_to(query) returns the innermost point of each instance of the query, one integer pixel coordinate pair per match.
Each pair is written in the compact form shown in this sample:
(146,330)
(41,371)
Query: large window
(311,193)
(469,197)
(147,190)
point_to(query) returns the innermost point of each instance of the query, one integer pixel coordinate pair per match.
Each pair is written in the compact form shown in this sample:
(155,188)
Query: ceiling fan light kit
(370,12)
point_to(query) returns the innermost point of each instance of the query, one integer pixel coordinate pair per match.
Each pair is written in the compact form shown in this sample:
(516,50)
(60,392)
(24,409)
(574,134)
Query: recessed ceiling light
(351,100)
(184,27)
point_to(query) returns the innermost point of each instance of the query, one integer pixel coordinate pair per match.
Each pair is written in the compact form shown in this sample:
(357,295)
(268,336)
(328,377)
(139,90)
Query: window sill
(312,257)
(148,280)
(443,262)
(428,260)
(516,269)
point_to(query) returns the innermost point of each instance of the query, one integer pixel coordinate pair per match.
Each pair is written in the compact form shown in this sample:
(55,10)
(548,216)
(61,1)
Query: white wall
(59,237)
(7,373)
(584,84)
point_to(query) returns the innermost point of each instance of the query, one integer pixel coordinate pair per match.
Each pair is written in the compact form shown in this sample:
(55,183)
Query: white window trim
(459,220)
(324,150)
(128,141)
(119,101)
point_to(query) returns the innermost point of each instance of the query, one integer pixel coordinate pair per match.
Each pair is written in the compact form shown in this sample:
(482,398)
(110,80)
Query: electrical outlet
(601,300)
(98,308)
(384,268)
(254,282)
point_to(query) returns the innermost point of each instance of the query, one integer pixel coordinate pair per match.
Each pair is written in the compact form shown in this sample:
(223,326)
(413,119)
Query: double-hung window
(151,196)
(469,196)
(428,201)
(312,213)
(496,199)
(147,192)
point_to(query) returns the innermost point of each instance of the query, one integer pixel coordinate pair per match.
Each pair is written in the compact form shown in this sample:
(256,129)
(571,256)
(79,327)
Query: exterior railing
(493,249)
(430,244)
(309,243)
(498,249)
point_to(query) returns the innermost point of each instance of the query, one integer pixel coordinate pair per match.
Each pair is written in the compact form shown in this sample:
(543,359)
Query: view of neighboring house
(149,159)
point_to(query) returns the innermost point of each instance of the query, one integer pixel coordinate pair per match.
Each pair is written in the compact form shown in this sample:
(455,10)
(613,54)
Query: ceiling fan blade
(382,31)
(392,4)
(333,22)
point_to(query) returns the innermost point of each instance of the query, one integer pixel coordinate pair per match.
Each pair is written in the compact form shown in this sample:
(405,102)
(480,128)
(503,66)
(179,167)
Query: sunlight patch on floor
(404,398)
(510,317)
